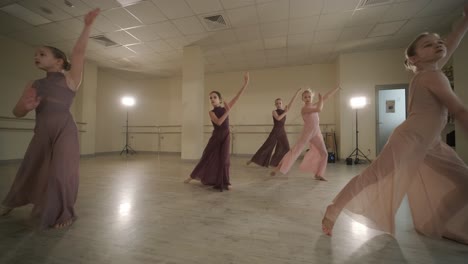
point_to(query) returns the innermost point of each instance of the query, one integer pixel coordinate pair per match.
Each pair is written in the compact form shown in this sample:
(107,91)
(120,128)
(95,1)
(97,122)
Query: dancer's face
(430,49)
(214,99)
(279,104)
(44,59)
(307,97)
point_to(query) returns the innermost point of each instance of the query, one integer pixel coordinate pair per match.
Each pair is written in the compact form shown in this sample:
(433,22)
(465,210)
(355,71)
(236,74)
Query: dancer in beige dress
(48,175)
(415,162)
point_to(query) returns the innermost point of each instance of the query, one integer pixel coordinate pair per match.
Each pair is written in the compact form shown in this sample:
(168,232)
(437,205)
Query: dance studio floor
(137,210)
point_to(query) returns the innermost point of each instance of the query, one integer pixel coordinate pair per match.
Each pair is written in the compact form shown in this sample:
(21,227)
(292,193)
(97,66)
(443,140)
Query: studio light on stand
(356,104)
(127,102)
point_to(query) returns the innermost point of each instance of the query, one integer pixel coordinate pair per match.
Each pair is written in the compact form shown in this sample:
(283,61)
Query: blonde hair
(308,90)
(411,49)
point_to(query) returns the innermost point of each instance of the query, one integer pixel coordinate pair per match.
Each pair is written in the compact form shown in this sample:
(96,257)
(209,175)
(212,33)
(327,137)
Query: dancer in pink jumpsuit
(315,160)
(415,162)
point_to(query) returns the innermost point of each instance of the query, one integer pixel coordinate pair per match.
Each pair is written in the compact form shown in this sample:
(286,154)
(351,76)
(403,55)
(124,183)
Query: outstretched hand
(91,16)
(29,100)
(246,78)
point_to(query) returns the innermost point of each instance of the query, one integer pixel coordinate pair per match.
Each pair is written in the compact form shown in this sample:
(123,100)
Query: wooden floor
(137,210)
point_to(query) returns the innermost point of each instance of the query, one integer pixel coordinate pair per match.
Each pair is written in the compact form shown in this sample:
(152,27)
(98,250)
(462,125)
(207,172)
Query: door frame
(382,87)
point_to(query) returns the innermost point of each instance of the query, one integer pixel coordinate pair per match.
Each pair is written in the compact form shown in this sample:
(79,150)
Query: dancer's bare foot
(320,178)
(4,211)
(63,224)
(188,180)
(248,162)
(327,226)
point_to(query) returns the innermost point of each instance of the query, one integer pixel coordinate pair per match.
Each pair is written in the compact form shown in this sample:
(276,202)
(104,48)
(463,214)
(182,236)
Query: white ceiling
(260,34)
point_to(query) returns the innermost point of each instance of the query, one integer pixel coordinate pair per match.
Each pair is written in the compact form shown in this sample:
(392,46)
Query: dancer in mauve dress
(213,167)
(277,140)
(48,175)
(315,160)
(415,162)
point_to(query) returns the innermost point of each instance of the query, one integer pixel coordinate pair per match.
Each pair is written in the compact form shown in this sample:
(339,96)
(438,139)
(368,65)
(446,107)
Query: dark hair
(411,49)
(217,93)
(58,54)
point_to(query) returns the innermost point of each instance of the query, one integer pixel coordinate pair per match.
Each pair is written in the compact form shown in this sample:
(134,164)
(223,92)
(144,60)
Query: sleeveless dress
(315,160)
(48,174)
(277,140)
(414,162)
(213,167)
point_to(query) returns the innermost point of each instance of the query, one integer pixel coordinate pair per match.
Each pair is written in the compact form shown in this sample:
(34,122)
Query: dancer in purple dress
(277,140)
(48,175)
(415,162)
(213,167)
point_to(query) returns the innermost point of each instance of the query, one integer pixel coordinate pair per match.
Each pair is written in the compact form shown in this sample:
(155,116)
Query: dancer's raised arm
(241,91)
(78,53)
(453,39)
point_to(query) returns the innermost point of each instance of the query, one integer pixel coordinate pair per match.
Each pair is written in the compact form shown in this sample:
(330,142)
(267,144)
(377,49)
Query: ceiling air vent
(103,40)
(215,22)
(370,3)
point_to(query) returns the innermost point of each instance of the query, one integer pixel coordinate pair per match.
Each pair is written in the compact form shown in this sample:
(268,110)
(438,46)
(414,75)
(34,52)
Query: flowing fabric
(277,141)
(48,174)
(213,167)
(315,160)
(414,162)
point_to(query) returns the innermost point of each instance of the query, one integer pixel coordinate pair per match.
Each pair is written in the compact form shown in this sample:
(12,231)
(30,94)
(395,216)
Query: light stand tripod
(127,149)
(357,152)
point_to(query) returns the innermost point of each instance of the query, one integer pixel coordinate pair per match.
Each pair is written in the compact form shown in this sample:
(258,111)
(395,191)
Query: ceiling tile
(333,21)
(305,8)
(224,37)
(147,12)
(419,25)
(248,33)
(404,10)
(103,24)
(252,45)
(159,46)
(102,4)
(121,18)
(141,48)
(275,43)
(326,36)
(273,11)
(174,8)
(122,37)
(189,25)
(300,40)
(243,16)
(440,7)
(144,33)
(79,7)
(12,24)
(228,4)
(166,30)
(367,16)
(178,43)
(204,6)
(385,29)
(353,33)
(56,14)
(333,6)
(275,29)
(302,25)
